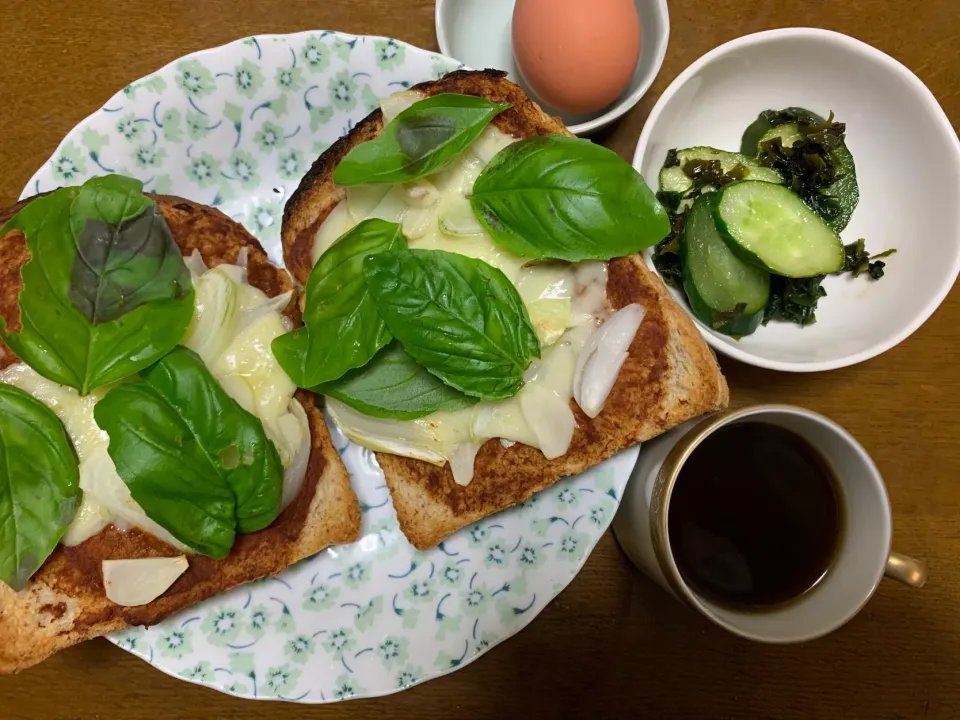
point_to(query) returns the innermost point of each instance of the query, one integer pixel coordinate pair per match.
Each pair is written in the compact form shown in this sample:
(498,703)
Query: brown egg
(576,55)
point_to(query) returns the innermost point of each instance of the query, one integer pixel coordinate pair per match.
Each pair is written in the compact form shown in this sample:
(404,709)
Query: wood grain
(612,645)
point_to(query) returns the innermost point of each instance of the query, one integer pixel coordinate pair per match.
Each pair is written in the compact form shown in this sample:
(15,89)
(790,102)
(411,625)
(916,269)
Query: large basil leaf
(568,199)
(196,462)
(393,385)
(459,317)
(39,484)
(105,292)
(420,140)
(342,329)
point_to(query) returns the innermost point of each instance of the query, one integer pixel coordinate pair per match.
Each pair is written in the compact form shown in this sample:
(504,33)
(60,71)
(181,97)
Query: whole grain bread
(64,602)
(671,375)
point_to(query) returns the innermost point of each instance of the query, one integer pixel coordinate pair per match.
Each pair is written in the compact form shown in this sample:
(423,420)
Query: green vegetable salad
(750,253)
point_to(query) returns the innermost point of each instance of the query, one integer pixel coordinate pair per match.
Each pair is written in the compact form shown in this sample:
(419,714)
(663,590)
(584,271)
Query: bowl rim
(658,12)
(933,108)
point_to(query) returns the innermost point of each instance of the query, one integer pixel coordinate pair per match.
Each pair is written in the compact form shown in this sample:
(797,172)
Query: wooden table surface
(611,645)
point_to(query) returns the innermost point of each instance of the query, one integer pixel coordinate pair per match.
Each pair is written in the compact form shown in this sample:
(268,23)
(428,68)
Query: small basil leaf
(342,329)
(39,484)
(111,198)
(457,316)
(568,199)
(105,293)
(420,140)
(196,462)
(393,385)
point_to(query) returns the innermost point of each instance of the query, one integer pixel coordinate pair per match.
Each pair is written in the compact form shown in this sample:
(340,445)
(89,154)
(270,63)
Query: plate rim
(28,190)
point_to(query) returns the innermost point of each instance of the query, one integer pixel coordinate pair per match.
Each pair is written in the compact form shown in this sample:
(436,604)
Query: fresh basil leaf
(111,199)
(457,316)
(393,385)
(196,462)
(568,199)
(342,329)
(122,263)
(39,484)
(105,292)
(420,140)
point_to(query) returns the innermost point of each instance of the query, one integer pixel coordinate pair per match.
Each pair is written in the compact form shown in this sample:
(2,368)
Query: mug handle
(906,570)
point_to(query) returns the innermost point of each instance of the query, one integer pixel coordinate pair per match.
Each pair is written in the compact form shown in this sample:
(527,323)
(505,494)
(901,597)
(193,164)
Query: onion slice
(294,475)
(139,581)
(602,357)
(195,263)
(393,105)
(272,305)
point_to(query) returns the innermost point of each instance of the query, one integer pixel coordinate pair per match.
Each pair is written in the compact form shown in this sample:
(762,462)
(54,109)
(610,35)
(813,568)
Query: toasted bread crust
(64,603)
(670,376)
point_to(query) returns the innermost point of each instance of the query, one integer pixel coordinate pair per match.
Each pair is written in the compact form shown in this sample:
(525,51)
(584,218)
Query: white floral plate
(237,127)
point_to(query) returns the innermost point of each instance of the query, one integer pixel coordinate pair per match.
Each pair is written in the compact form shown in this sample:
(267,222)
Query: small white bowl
(477,33)
(908,167)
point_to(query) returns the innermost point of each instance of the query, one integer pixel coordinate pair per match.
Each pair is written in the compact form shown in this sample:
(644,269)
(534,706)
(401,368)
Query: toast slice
(671,374)
(64,603)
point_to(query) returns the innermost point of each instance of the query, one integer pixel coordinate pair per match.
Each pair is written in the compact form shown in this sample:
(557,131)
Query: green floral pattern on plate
(237,127)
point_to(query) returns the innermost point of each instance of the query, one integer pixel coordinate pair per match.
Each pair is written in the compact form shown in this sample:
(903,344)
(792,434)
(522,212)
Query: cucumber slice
(674,179)
(770,119)
(788,134)
(838,200)
(771,227)
(715,280)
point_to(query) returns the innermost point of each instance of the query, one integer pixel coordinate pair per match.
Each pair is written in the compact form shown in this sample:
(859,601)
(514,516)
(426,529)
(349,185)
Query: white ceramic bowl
(477,33)
(908,166)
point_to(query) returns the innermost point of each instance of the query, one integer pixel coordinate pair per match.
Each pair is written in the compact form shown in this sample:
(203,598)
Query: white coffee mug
(862,559)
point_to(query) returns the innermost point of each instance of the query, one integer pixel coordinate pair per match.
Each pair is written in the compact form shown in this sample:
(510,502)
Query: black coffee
(755,516)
